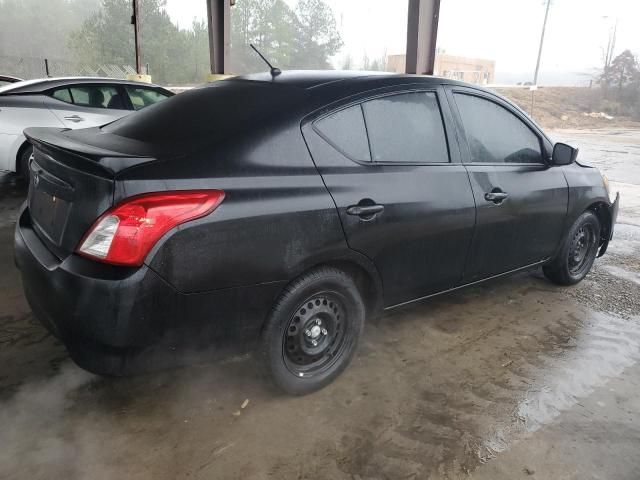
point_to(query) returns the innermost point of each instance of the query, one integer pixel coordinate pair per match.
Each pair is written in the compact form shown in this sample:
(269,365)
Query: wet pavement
(516,378)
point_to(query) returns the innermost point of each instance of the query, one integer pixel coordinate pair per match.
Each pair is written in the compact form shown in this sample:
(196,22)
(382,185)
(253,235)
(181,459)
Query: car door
(403,196)
(521,200)
(88,105)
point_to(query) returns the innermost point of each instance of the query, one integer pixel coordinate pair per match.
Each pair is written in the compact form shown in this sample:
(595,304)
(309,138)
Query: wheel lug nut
(318,322)
(307,333)
(324,331)
(314,343)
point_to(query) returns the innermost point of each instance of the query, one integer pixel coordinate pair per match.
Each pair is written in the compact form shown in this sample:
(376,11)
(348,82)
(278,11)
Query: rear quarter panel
(22,111)
(17,113)
(9,148)
(91,117)
(277,218)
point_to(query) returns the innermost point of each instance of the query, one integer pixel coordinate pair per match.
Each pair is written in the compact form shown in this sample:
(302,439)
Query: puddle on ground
(601,348)
(419,399)
(622,273)
(451,383)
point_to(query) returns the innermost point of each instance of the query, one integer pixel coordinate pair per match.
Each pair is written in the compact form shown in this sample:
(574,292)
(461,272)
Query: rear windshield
(204,115)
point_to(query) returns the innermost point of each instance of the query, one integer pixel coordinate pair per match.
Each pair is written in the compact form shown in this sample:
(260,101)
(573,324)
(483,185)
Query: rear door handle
(74,118)
(365,210)
(495,197)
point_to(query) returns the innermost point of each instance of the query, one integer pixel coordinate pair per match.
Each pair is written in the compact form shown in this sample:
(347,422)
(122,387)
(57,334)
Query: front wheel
(312,331)
(578,252)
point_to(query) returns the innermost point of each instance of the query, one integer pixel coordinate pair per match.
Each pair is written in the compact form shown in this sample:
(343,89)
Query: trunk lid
(71,184)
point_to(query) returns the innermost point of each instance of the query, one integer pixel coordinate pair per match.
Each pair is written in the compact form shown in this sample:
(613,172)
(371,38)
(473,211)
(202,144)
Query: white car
(7,79)
(72,102)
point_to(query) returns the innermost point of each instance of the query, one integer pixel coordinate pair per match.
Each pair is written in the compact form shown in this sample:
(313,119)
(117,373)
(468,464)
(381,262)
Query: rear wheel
(23,162)
(313,330)
(578,252)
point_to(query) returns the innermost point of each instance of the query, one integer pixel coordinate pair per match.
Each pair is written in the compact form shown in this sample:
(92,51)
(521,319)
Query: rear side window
(345,131)
(406,128)
(496,135)
(63,95)
(97,96)
(143,97)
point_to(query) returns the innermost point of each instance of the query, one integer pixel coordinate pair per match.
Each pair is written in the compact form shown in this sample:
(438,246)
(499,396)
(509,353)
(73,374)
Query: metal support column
(135,21)
(218,22)
(422,33)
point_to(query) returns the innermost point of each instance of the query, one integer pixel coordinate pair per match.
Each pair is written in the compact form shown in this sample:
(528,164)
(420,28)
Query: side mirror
(563,154)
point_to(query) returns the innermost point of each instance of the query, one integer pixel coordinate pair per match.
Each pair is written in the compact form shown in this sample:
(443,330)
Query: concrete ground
(516,378)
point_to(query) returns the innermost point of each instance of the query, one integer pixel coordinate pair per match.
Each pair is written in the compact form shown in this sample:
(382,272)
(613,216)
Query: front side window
(496,135)
(97,96)
(345,131)
(143,97)
(406,128)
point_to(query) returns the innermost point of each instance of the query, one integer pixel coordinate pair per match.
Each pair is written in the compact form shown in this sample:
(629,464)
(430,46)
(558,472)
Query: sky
(507,31)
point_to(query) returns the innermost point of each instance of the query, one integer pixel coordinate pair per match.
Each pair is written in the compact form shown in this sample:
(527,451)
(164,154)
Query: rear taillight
(126,233)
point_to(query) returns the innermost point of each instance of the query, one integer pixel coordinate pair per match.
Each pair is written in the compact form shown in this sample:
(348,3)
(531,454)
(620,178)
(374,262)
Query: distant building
(472,70)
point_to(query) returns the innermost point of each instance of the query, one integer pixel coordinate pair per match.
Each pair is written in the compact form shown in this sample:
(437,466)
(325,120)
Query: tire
(578,252)
(322,306)
(23,165)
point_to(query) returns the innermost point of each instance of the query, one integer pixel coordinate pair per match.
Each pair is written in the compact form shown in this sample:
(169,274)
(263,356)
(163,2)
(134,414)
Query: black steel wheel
(316,334)
(578,252)
(313,330)
(583,244)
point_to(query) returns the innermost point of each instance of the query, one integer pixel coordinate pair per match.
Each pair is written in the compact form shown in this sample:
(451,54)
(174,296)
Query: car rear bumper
(107,315)
(613,215)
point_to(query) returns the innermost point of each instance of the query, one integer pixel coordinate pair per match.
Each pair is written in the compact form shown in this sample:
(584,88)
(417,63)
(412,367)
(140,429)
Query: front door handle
(496,196)
(74,118)
(365,210)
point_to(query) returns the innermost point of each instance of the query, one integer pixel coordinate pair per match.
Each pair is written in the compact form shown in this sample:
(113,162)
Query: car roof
(316,79)
(40,85)
(308,78)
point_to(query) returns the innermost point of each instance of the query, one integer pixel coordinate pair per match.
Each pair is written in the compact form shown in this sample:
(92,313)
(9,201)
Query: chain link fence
(29,67)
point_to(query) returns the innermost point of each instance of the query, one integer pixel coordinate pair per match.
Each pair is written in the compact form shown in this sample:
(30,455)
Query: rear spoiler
(91,158)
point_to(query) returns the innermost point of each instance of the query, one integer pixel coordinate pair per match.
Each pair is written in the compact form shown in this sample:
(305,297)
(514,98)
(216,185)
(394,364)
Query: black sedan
(286,210)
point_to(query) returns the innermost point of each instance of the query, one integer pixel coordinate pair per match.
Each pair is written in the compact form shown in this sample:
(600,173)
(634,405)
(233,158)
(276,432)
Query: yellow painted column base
(138,77)
(214,77)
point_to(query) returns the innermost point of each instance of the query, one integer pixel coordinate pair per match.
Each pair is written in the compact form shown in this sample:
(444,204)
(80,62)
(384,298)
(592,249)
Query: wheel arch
(602,213)
(360,269)
(18,165)
(600,209)
(367,281)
